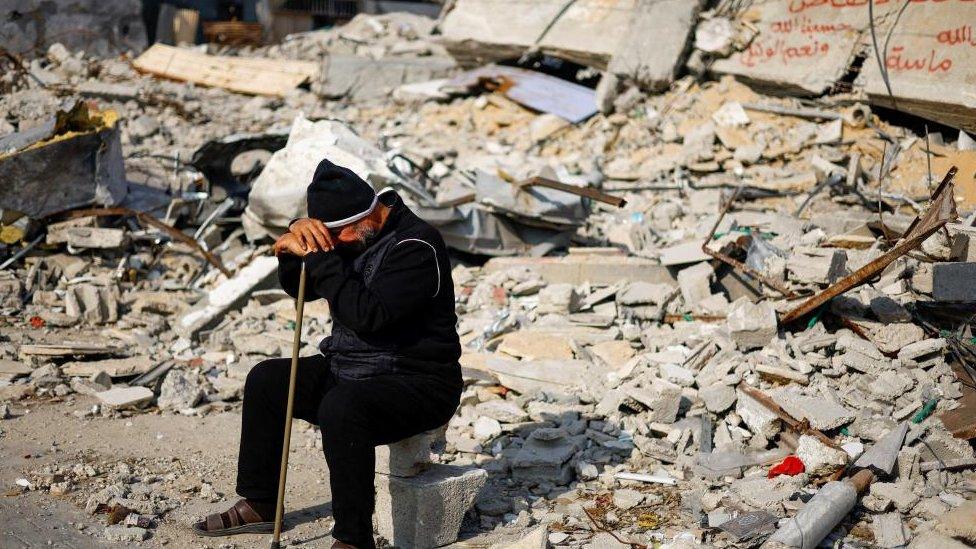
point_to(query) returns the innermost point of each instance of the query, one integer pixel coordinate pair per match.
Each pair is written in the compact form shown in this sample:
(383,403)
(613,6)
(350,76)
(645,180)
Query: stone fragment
(883,455)
(663,399)
(679,375)
(696,284)
(626,498)
(142,127)
(227,295)
(818,458)
(960,522)
(125,534)
(536,538)
(546,456)
(596,269)
(486,428)
(889,531)
(930,539)
(558,299)
(752,325)
(125,397)
(530,345)
(767,493)
(180,390)
(504,411)
(408,457)
(604,540)
(898,493)
(890,338)
(954,282)
(426,510)
(816,265)
(92,303)
(757,417)
(613,353)
(919,349)
(718,397)
(823,413)
(645,293)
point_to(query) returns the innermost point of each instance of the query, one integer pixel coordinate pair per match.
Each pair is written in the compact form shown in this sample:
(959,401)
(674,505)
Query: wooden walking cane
(289,409)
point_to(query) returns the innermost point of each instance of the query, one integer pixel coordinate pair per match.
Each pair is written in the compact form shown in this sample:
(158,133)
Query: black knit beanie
(337,196)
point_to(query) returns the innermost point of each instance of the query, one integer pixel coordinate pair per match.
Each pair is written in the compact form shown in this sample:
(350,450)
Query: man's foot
(245,517)
(342,545)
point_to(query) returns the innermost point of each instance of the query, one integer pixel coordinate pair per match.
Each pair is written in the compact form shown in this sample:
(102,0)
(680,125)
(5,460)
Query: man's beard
(366,236)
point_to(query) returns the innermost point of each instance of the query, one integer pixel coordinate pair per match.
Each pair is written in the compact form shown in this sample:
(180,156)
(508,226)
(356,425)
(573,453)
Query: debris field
(705,300)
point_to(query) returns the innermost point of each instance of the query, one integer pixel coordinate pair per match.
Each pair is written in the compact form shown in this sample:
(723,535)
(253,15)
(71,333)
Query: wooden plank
(255,76)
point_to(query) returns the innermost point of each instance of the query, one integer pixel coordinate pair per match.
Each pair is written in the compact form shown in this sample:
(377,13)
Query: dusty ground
(205,449)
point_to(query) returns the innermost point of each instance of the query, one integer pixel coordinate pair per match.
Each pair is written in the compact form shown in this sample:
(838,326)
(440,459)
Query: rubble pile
(710,316)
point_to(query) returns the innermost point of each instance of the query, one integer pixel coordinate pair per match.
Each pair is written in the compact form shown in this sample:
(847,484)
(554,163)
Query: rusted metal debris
(587,192)
(941,211)
(800,427)
(147,219)
(735,263)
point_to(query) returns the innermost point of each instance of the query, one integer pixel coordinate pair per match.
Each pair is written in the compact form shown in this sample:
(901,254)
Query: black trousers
(355,416)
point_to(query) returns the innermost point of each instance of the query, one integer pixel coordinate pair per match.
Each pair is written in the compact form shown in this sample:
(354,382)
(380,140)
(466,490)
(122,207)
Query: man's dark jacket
(392,305)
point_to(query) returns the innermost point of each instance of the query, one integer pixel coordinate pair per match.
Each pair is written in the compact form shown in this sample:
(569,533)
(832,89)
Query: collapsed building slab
(801,47)
(652,58)
(480,31)
(73,160)
(109,27)
(929,62)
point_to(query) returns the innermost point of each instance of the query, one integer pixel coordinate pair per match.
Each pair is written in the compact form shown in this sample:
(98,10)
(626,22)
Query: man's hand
(290,244)
(313,234)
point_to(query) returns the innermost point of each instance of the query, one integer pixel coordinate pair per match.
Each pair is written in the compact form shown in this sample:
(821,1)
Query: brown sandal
(239,519)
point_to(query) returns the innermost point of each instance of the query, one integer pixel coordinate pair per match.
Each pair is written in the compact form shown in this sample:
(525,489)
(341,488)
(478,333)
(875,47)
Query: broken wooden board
(119,367)
(803,46)
(250,75)
(69,348)
(930,63)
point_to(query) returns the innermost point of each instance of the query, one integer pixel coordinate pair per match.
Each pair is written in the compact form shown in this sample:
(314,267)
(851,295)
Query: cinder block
(408,457)
(954,282)
(425,511)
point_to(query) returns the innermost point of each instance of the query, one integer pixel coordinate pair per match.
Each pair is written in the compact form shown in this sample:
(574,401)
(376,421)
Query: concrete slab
(425,511)
(595,269)
(929,63)
(229,294)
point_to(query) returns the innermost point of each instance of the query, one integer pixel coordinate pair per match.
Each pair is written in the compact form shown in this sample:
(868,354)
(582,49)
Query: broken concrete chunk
(663,399)
(718,397)
(546,456)
(426,510)
(816,265)
(181,390)
(229,294)
(759,419)
(645,293)
(960,522)
(889,531)
(954,282)
(92,303)
(818,458)
(408,457)
(125,397)
(696,283)
(752,325)
(822,413)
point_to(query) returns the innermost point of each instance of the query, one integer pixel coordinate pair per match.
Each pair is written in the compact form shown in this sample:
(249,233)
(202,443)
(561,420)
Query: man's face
(356,237)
